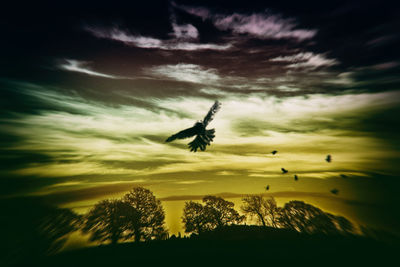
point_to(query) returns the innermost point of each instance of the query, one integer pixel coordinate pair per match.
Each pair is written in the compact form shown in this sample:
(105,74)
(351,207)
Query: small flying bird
(274,152)
(343,175)
(295,177)
(203,137)
(335,191)
(284,170)
(328,158)
(267,187)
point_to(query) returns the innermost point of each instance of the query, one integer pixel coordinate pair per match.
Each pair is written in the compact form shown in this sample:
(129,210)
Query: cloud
(261,25)
(287,88)
(386,65)
(186,31)
(181,34)
(305,60)
(98,140)
(81,66)
(186,73)
(188,182)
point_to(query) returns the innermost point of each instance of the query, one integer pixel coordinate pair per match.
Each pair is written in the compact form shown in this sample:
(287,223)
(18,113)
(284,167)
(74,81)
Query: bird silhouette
(295,177)
(267,187)
(328,158)
(335,191)
(274,152)
(284,170)
(203,137)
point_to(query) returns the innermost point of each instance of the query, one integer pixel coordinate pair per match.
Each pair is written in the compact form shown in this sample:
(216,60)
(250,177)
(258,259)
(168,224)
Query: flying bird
(274,152)
(295,177)
(203,137)
(328,158)
(284,170)
(335,191)
(267,187)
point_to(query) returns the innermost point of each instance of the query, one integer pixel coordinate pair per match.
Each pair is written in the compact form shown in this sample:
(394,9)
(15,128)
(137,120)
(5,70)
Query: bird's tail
(210,134)
(202,140)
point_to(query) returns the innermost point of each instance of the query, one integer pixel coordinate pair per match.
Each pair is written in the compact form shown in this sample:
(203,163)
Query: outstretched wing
(189,132)
(210,115)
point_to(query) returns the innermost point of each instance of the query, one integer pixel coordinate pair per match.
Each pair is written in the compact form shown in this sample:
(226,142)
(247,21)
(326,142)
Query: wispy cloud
(83,144)
(186,73)
(82,67)
(190,182)
(186,31)
(261,25)
(306,60)
(181,33)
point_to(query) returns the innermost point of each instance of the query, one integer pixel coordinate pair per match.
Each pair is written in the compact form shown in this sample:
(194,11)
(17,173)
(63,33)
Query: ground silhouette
(296,233)
(236,245)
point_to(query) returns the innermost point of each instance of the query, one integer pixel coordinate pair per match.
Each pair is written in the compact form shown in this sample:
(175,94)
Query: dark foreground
(238,246)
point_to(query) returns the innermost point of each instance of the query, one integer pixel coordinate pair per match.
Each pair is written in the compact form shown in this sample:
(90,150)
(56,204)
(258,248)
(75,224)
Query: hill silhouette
(236,244)
(132,232)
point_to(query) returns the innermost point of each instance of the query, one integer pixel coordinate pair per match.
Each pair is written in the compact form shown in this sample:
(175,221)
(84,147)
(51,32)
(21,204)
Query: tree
(194,218)
(265,210)
(150,221)
(216,212)
(306,218)
(54,227)
(343,225)
(220,212)
(109,220)
(30,227)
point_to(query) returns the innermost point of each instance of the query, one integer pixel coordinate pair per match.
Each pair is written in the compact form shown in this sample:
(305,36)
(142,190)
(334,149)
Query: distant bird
(328,158)
(203,137)
(343,175)
(274,152)
(335,191)
(296,178)
(284,170)
(267,187)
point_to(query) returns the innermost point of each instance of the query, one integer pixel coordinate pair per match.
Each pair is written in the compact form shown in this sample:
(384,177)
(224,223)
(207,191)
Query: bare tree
(221,212)
(265,210)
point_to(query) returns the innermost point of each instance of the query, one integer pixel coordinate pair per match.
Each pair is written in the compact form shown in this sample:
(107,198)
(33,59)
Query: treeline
(294,215)
(33,228)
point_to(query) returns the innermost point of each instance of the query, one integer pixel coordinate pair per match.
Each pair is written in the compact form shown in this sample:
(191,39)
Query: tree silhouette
(216,212)
(194,218)
(150,222)
(109,220)
(221,212)
(306,218)
(265,210)
(54,227)
(139,215)
(31,228)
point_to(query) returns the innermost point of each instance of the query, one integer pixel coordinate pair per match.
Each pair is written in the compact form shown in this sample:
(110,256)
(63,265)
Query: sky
(90,91)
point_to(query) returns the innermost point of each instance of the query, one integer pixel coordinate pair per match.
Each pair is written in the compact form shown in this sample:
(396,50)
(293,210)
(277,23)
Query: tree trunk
(137,235)
(262,219)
